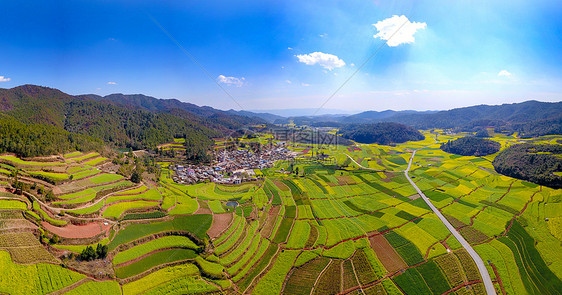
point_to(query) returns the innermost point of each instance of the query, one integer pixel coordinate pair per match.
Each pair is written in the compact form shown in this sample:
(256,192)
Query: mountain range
(140,121)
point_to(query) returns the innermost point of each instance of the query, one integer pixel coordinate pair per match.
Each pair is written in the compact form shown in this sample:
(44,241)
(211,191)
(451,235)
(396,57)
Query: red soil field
(77,231)
(220,224)
(386,254)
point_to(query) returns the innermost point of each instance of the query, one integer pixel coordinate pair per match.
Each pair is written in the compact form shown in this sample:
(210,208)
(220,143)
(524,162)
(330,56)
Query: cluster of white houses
(232,167)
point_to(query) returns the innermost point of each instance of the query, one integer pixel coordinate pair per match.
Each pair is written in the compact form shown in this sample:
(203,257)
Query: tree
(50,196)
(101,251)
(136,177)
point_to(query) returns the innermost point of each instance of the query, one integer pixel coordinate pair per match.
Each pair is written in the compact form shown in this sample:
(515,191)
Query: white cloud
(111,83)
(504,73)
(231,81)
(305,84)
(290,48)
(397,30)
(288,81)
(4,79)
(323,35)
(326,60)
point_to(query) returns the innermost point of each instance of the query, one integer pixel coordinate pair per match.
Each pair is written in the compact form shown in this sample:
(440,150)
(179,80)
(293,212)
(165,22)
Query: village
(233,166)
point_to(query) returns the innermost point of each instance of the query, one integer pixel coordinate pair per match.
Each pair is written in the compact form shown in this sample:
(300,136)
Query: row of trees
(89,253)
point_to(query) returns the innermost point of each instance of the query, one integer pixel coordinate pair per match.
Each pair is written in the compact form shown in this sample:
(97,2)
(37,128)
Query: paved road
(479,263)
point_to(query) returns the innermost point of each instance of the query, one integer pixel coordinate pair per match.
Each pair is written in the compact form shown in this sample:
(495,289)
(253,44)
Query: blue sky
(290,54)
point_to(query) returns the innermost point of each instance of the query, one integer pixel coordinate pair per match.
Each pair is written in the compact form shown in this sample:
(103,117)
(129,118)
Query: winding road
(486,279)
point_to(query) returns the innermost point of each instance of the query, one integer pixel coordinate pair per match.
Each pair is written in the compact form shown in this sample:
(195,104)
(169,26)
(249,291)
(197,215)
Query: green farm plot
(96,161)
(117,209)
(160,243)
(52,176)
(299,235)
(21,162)
(88,210)
(209,269)
(153,260)
(412,282)
(272,282)
(151,194)
(12,204)
(536,275)
(216,206)
(195,224)
(103,178)
(72,154)
(405,248)
(84,157)
(97,287)
(41,278)
(303,278)
(159,278)
(235,254)
(44,215)
(433,277)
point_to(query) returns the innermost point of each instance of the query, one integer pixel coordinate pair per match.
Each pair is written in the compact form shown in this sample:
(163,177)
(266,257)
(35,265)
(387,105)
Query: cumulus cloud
(504,73)
(397,30)
(323,35)
(231,81)
(111,83)
(326,60)
(305,84)
(4,79)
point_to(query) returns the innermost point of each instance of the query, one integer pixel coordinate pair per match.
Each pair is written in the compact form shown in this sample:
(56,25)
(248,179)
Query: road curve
(479,263)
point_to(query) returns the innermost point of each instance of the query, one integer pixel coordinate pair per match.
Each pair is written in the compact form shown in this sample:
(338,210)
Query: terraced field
(339,229)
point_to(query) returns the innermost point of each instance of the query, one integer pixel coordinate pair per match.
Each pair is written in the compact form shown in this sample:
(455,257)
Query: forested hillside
(40,121)
(471,146)
(380,133)
(533,162)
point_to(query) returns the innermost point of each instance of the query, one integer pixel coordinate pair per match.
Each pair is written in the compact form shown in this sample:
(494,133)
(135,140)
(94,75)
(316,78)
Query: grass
(153,260)
(160,243)
(52,176)
(195,224)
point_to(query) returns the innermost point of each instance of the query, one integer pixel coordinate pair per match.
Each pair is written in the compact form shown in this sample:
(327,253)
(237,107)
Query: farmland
(330,229)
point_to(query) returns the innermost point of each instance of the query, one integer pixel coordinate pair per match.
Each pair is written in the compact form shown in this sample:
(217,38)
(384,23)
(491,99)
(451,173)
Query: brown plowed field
(386,254)
(220,224)
(77,231)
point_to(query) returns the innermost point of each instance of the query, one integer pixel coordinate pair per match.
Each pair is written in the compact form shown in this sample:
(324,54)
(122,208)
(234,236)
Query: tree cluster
(532,162)
(89,254)
(471,146)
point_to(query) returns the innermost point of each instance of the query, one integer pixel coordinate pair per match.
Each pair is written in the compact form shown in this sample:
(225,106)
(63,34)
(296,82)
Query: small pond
(232,204)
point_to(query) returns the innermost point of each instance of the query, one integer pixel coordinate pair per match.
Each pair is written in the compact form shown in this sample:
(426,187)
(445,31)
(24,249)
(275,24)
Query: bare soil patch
(281,185)
(219,225)
(270,223)
(77,231)
(414,197)
(386,254)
